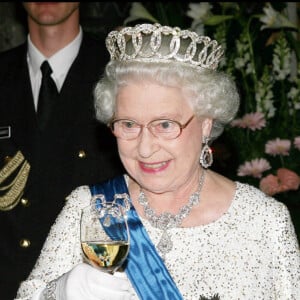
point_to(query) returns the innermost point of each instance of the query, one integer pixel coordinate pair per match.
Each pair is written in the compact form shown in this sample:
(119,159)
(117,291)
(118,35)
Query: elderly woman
(195,234)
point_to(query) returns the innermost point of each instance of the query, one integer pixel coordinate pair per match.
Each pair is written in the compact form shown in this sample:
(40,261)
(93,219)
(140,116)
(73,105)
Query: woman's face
(158,165)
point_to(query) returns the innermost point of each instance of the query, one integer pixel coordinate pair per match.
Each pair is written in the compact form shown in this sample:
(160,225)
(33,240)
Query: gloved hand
(86,282)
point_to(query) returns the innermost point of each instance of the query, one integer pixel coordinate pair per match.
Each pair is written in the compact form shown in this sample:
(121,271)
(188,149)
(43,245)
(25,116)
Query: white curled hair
(210,93)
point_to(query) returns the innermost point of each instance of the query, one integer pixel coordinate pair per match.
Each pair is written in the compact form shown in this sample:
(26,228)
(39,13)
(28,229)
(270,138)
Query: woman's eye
(128,124)
(165,124)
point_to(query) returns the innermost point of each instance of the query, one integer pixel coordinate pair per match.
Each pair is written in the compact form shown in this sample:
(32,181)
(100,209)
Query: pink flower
(289,180)
(254,168)
(285,180)
(297,142)
(278,147)
(238,123)
(253,121)
(270,185)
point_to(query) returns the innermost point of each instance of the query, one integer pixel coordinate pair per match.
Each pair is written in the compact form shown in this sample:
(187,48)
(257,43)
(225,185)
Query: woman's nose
(148,143)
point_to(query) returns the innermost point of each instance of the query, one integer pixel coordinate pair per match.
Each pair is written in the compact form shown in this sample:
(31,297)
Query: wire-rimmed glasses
(166,129)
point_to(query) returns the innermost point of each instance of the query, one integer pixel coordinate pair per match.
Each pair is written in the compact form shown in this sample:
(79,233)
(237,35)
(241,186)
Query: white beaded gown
(251,252)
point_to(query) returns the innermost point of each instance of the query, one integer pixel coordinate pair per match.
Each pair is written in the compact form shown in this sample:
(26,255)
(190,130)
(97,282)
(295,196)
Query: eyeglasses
(161,128)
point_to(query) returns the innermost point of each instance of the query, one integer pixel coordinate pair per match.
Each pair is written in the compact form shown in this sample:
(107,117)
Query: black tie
(47,95)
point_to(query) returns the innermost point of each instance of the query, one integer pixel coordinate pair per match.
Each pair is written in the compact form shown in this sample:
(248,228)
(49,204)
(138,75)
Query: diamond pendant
(165,244)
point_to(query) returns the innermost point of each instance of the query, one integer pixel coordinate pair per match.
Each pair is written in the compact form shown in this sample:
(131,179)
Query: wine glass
(104,235)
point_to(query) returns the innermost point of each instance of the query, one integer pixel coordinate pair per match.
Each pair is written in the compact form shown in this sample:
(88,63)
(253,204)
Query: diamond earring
(206,156)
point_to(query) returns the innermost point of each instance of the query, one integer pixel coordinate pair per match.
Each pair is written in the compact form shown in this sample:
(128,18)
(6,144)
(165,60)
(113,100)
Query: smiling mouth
(155,166)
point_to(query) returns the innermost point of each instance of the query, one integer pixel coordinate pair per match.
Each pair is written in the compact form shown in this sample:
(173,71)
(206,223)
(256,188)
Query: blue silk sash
(144,267)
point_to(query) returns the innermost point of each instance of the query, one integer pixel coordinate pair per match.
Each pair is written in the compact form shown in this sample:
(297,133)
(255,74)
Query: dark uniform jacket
(73,150)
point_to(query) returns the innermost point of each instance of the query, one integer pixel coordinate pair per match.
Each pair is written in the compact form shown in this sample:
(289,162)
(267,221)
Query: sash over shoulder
(144,267)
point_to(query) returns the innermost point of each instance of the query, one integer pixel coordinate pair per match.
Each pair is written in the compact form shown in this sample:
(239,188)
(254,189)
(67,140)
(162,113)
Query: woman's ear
(206,127)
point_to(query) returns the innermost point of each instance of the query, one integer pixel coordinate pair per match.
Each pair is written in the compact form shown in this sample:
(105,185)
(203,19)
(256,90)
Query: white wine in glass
(104,236)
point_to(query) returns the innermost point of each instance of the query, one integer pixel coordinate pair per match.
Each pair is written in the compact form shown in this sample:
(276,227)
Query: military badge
(5,132)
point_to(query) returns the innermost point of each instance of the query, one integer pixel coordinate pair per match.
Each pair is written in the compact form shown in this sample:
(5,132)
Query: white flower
(138,11)
(281,59)
(198,12)
(244,57)
(249,69)
(294,103)
(199,29)
(239,63)
(264,97)
(293,93)
(273,19)
(271,110)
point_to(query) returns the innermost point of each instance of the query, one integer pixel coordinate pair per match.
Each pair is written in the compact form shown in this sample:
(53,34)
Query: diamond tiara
(143,43)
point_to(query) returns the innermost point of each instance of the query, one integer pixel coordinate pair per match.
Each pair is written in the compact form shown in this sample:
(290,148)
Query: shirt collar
(60,62)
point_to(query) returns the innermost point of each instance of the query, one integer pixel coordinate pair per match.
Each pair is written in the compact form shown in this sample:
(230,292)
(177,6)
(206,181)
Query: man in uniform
(47,150)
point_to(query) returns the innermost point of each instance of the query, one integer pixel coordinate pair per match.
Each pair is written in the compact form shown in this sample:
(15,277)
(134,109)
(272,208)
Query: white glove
(86,282)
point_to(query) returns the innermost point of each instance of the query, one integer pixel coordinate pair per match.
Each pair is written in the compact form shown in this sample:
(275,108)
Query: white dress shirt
(60,63)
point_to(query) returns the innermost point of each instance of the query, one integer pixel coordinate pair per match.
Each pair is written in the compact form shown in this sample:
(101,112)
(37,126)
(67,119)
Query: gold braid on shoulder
(11,192)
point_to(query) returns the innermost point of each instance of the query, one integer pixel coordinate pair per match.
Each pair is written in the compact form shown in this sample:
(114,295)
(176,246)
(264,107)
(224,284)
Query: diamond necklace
(167,220)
